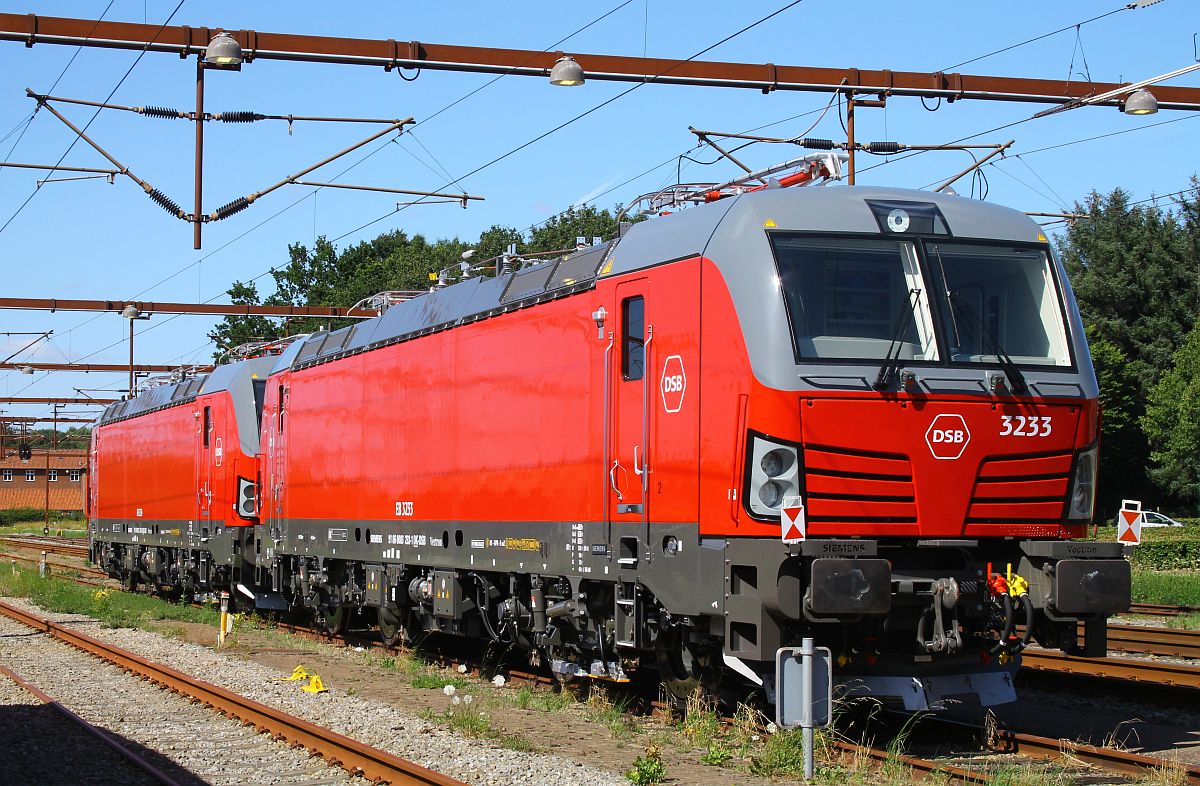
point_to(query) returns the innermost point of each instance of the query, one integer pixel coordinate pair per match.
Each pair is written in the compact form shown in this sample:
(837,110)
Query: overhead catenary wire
(57,79)
(111,93)
(520,147)
(610,190)
(380,147)
(585,113)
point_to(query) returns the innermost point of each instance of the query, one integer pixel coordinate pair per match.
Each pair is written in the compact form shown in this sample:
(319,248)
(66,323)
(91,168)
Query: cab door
(629,417)
(205,439)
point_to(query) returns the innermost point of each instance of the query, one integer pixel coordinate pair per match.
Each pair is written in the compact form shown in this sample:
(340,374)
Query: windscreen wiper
(1016,380)
(891,361)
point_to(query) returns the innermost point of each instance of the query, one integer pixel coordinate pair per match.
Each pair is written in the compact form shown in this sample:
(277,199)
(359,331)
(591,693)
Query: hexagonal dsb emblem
(947,437)
(673,384)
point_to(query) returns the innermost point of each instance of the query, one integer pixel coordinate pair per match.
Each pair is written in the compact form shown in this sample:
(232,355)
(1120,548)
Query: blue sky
(89,239)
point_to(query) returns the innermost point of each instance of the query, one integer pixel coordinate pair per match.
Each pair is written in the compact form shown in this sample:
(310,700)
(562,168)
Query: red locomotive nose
(936,468)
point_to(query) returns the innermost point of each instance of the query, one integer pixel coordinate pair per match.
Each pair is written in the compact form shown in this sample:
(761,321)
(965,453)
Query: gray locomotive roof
(682,234)
(466,301)
(234,377)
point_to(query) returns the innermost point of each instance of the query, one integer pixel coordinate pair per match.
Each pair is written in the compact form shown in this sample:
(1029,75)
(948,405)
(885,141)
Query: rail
(353,756)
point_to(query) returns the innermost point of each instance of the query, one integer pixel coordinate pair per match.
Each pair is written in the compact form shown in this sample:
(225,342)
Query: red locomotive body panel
(163,468)
(474,424)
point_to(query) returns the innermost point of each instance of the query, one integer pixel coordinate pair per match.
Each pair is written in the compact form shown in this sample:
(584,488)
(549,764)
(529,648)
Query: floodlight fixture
(224,52)
(566,72)
(1140,102)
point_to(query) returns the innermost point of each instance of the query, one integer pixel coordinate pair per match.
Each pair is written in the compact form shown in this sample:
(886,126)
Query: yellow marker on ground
(298,673)
(314,685)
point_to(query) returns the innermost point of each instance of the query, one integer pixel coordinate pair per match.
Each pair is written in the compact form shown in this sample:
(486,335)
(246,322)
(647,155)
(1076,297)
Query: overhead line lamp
(566,72)
(1140,102)
(224,52)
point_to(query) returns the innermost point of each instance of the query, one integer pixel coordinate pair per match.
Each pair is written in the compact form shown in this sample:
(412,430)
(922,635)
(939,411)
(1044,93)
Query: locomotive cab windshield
(854,298)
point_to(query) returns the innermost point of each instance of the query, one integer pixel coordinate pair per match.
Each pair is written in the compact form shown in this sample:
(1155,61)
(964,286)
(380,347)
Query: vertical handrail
(647,369)
(607,437)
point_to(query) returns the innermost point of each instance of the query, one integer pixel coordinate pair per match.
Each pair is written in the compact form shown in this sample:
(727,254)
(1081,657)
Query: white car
(1152,518)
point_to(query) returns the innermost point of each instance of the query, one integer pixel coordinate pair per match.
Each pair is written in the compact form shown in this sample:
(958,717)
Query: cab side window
(633,342)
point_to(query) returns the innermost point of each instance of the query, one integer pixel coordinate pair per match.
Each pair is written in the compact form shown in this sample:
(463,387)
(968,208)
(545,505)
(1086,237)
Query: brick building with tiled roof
(23,484)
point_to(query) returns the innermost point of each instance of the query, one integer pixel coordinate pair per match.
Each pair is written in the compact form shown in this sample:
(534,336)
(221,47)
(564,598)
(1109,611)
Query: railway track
(66,546)
(1124,638)
(133,757)
(1169,642)
(358,759)
(1156,610)
(1110,759)
(1004,742)
(1171,675)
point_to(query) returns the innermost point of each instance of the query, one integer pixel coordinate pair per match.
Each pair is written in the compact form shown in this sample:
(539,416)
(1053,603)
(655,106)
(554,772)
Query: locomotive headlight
(777,461)
(771,494)
(772,473)
(1083,486)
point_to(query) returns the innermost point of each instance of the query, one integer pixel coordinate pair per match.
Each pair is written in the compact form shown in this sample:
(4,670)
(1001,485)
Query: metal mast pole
(197,217)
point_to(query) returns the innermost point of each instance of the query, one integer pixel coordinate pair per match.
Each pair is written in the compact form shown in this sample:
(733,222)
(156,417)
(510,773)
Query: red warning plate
(1129,523)
(793,527)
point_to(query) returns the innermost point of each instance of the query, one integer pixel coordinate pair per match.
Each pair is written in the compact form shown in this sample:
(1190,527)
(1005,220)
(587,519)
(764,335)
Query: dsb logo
(947,437)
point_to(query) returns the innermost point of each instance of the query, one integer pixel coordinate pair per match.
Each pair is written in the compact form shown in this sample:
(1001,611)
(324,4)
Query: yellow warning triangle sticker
(770,224)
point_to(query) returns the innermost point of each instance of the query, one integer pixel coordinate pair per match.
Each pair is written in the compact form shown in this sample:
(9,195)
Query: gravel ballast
(192,744)
(474,761)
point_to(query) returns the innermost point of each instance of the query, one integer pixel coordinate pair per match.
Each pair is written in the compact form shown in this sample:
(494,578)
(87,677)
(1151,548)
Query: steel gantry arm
(390,54)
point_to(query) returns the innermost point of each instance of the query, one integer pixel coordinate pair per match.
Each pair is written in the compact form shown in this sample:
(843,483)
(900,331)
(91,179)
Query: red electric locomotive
(172,471)
(860,414)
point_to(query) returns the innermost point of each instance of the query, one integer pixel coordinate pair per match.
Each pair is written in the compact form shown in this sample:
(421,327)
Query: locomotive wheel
(332,622)
(683,670)
(130,581)
(391,627)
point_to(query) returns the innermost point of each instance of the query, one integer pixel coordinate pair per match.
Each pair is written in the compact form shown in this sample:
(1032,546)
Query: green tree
(235,331)
(1123,448)
(1134,274)
(1172,423)
(561,231)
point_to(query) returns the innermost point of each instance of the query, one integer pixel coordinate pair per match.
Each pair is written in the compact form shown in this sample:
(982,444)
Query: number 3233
(1022,426)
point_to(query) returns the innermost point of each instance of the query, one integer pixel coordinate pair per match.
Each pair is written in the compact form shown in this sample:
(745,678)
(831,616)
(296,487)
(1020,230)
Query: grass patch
(465,716)
(647,770)
(701,726)
(532,698)
(114,609)
(1184,622)
(438,681)
(613,713)
(28,517)
(1030,775)
(781,756)
(57,528)
(1172,588)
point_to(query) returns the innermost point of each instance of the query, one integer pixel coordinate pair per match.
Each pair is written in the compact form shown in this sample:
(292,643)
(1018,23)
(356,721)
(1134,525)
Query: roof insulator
(227,210)
(817,144)
(166,203)
(165,113)
(240,117)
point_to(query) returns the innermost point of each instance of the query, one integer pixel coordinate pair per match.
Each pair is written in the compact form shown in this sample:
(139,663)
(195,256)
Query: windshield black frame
(934,293)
